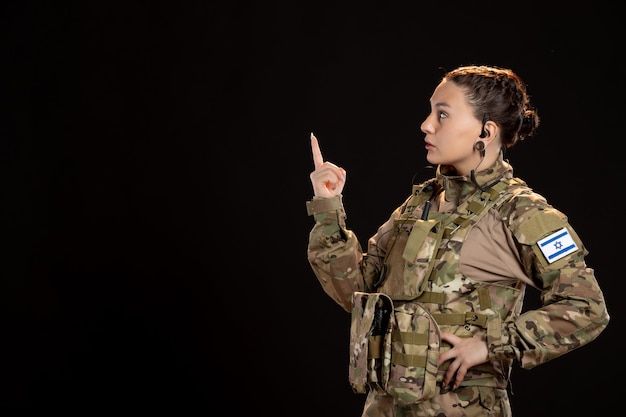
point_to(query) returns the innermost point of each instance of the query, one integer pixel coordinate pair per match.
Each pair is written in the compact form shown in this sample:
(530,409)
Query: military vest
(425,251)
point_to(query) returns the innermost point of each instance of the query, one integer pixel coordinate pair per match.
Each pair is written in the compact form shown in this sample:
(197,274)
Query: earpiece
(480,147)
(484,133)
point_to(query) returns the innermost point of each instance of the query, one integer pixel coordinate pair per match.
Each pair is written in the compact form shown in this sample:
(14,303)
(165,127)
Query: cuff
(324,205)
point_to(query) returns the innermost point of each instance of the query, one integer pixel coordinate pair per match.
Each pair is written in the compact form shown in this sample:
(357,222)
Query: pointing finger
(318,160)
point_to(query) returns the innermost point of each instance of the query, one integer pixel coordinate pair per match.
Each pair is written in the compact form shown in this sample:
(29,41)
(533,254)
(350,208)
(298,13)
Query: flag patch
(557,245)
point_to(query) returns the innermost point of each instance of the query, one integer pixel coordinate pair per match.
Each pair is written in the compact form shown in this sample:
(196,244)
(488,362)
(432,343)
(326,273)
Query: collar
(458,188)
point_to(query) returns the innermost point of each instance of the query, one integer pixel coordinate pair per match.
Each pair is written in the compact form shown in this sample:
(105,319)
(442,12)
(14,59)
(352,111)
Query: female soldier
(436,301)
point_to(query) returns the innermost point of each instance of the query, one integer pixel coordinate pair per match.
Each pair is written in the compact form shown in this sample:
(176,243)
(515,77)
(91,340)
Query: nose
(426,126)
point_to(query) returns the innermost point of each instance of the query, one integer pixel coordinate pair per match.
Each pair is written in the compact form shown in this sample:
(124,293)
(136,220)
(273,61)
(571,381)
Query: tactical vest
(425,253)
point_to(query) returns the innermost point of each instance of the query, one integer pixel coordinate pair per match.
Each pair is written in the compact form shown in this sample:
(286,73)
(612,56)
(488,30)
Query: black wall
(154,171)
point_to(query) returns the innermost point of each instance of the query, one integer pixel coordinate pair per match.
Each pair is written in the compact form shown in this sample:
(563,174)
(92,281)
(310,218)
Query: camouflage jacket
(510,236)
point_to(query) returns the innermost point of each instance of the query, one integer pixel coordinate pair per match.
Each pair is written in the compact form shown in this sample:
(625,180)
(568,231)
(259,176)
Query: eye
(442,115)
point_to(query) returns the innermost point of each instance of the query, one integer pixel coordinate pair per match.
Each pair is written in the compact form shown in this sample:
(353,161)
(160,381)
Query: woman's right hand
(328,179)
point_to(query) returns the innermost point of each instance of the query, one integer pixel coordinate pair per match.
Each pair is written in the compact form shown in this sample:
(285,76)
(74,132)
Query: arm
(573,311)
(334,252)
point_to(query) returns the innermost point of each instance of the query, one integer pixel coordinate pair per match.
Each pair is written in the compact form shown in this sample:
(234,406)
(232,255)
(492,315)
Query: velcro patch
(557,245)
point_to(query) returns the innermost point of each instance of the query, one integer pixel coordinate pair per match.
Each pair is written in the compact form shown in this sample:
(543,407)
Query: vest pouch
(413,257)
(411,375)
(369,336)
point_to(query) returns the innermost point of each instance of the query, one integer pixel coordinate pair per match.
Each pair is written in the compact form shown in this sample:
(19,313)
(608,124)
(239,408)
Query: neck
(478,163)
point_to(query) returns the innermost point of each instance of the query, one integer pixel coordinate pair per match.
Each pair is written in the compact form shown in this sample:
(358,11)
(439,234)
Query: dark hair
(498,94)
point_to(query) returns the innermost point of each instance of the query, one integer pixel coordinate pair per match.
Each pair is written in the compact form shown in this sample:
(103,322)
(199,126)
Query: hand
(328,179)
(465,353)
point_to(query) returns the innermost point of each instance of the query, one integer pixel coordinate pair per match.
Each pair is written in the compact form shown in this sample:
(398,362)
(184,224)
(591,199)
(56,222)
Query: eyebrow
(441,104)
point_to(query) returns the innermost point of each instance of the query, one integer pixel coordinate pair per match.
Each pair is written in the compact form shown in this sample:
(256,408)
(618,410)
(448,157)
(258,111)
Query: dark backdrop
(155,160)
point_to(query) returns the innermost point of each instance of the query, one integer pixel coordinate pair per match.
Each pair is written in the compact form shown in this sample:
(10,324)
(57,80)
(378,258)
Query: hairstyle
(498,94)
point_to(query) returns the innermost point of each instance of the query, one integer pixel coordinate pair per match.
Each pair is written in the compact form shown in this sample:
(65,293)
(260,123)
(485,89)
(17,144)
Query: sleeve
(573,311)
(335,254)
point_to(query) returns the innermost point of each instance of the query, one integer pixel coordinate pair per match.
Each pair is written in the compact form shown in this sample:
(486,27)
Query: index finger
(318,160)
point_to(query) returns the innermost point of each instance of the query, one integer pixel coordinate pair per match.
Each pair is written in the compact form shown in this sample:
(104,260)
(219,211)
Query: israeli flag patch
(557,245)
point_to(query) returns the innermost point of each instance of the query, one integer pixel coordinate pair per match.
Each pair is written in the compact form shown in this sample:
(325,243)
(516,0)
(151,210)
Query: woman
(436,301)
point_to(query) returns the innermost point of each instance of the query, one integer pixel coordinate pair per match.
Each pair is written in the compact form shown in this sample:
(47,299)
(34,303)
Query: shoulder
(519,198)
(537,224)
(528,214)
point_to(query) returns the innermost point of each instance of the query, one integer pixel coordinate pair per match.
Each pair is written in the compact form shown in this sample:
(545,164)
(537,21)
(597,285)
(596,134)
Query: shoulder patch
(557,245)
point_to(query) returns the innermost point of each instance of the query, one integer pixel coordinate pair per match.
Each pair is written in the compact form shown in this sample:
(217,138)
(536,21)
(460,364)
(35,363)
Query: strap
(410,338)
(400,358)
(375,347)
(432,297)
(484,298)
(470,317)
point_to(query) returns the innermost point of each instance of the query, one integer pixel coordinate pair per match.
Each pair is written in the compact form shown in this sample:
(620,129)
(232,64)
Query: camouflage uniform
(466,264)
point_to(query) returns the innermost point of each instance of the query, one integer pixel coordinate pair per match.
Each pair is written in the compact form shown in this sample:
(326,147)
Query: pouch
(369,335)
(394,349)
(414,353)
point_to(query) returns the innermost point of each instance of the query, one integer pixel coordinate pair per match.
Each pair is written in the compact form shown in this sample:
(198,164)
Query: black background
(155,160)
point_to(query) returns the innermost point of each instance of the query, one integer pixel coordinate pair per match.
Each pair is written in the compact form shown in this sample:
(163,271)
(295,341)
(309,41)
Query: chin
(432,160)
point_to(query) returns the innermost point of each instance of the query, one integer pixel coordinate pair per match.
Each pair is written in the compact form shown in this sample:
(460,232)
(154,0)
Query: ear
(491,131)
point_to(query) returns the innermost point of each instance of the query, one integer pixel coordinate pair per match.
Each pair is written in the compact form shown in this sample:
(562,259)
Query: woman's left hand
(465,353)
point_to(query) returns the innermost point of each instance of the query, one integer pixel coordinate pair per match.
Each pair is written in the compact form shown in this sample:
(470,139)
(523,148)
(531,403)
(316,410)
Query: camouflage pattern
(393,350)
(421,259)
(410,367)
(462,402)
(366,344)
